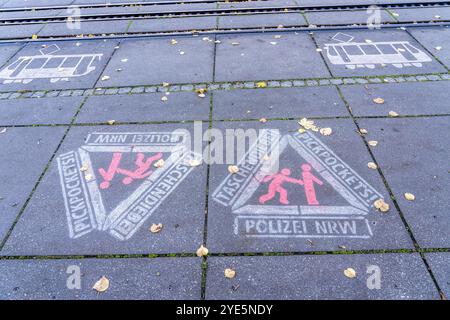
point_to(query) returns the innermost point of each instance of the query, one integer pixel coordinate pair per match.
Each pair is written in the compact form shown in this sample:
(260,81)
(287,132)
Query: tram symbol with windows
(49,66)
(369,54)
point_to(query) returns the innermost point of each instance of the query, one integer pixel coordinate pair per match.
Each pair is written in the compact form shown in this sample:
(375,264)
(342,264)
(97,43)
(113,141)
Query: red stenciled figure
(142,171)
(276,186)
(308,182)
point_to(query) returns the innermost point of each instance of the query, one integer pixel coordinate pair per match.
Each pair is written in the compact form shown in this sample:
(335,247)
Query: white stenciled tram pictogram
(49,66)
(370,54)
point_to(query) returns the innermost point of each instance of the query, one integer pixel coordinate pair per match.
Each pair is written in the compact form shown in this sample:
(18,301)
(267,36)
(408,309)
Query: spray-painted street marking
(273,215)
(370,54)
(47,65)
(85,207)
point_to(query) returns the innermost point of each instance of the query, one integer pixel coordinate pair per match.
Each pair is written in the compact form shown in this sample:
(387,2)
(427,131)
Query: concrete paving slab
(408,98)
(135,279)
(30,14)
(112,209)
(402,277)
(419,166)
(422,14)
(39,111)
(247,57)
(180,106)
(261,20)
(162,7)
(245,216)
(278,103)
(344,17)
(144,62)
(258,4)
(374,52)
(86,28)
(34,3)
(19,31)
(7,51)
(58,65)
(439,263)
(437,41)
(173,24)
(25,150)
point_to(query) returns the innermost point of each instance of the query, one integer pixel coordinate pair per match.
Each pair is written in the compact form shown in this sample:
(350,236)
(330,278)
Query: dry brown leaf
(409,196)
(372,165)
(363,131)
(159,163)
(373,143)
(380,205)
(229,273)
(111,122)
(165,84)
(173,41)
(326,131)
(155,228)
(350,273)
(101,285)
(378,100)
(84,167)
(202,251)
(233,169)
(263,120)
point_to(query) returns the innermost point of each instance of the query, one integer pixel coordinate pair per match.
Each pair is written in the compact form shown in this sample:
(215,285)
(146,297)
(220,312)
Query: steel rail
(143,35)
(216,12)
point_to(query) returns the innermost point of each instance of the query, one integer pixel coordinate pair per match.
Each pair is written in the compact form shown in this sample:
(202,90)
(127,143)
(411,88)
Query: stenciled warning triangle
(345,181)
(130,213)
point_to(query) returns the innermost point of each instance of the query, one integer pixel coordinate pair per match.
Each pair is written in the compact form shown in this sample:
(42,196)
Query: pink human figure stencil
(308,182)
(142,171)
(276,186)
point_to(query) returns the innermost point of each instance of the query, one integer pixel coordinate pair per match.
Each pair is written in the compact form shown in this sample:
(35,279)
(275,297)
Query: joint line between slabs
(393,198)
(41,177)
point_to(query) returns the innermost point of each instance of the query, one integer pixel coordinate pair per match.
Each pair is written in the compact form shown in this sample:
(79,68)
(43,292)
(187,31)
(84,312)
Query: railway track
(214,12)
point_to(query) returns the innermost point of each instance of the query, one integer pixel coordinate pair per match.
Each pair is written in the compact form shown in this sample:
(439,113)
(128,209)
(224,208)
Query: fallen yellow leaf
(233,169)
(372,165)
(261,84)
(101,285)
(159,163)
(326,131)
(380,205)
(230,273)
(378,100)
(155,228)
(350,273)
(393,114)
(409,196)
(194,162)
(202,251)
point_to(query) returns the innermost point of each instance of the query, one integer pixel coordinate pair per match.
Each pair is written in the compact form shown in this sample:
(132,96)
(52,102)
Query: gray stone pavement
(83,184)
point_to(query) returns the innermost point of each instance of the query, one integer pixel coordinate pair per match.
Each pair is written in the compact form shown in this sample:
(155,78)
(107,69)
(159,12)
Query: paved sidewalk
(70,199)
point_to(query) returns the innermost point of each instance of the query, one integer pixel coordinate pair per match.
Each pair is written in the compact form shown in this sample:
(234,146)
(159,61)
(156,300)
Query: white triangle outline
(356,206)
